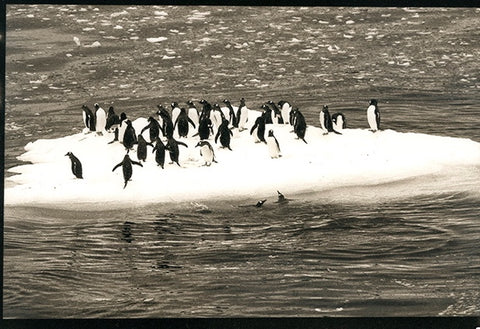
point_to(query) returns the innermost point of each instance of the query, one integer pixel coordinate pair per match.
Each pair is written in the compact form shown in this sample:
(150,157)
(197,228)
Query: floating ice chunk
(159,39)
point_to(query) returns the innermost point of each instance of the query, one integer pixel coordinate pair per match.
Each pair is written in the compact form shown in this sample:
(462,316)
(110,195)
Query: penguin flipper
(182,143)
(137,163)
(118,165)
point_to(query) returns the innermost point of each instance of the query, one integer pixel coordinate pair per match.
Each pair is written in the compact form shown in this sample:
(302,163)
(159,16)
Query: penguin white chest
(339,124)
(322,121)
(193,115)
(286,113)
(372,120)
(273,148)
(207,154)
(175,113)
(101,120)
(243,118)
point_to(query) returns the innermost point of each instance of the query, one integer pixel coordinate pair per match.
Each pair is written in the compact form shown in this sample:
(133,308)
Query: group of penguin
(223,119)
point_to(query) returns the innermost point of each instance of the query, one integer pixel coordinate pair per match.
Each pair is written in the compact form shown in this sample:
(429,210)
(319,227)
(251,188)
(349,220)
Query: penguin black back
(127,168)
(76,165)
(224,132)
(159,150)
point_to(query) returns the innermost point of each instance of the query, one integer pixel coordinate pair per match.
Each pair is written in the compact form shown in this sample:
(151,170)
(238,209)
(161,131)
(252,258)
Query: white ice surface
(328,162)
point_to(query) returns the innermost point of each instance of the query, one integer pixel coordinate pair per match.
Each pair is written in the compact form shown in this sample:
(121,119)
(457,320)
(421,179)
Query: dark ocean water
(403,249)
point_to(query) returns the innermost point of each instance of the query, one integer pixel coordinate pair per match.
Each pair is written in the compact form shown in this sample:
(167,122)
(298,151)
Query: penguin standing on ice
(259,129)
(204,128)
(207,108)
(285,108)
(76,165)
(267,114)
(160,152)
(183,120)
(242,115)
(129,137)
(88,119)
(175,111)
(100,119)
(373,116)
(277,115)
(142,148)
(172,147)
(232,118)
(192,112)
(167,124)
(121,128)
(326,121)
(153,129)
(273,146)
(206,151)
(127,168)
(224,132)
(339,121)
(299,124)
(217,116)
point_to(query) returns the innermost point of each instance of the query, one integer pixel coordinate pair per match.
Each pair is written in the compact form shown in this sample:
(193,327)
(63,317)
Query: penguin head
(270,133)
(158,141)
(202,101)
(182,110)
(325,108)
(270,103)
(226,101)
(111,110)
(140,137)
(216,106)
(174,105)
(190,103)
(123,116)
(242,101)
(280,103)
(150,119)
(96,106)
(201,143)
(373,101)
(69,154)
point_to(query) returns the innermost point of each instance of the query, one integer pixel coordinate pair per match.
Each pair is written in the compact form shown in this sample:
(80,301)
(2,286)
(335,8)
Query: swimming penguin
(285,109)
(259,129)
(206,151)
(183,120)
(300,126)
(100,119)
(142,148)
(260,203)
(373,116)
(88,118)
(267,114)
(175,111)
(76,165)
(224,132)
(192,112)
(121,128)
(172,147)
(160,152)
(277,115)
(154,129)
(167,127)
(129,137)
(242,115)
(273,146)
(339,121)
(326,121)
(204,128)
(232,118)
(282,198)
(127,168)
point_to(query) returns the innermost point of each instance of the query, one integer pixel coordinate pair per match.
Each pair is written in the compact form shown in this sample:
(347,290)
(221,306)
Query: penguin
(76,165)
(121,128)
(167,127)
(154,129)
(88,119)
(113,120)
(127,168)
(192,112)
(326,121)
(232,118)
(166,121)
(373,116)
(300,126)
(259,128)
(160,152)
(142,148)
(207,108)
(129,138)
(224,132)
(277,115)
(281,198)
(217,116)
(267,114)
(273,146)
(204,128)
(206,151)
(285,109)
(339,121)
(260,203)
(242,115)
(172,147)
(182,121)
(175,111)
(100,119)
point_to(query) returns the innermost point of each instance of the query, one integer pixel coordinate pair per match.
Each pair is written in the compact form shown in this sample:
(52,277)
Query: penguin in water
(160,152)
(260,203)
(100,119)
(192,112)
(121,128)
(175,111)
(373,116)
(281,198)
(232,118)
(154,129)
(267,114)
(172,147)
(273,146)
(127,168)
(285,108)
(88,119)
(129,137)
(259,129)
(300,126)
(142,148)
(166,120)
(206,151)
(242,115)
(204,128)
(76,165)
(326,121)
(277,115)
(224,132)
(339,121)
(183,120)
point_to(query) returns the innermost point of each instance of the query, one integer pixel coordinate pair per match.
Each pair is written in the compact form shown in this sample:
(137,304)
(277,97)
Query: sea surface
(386,250)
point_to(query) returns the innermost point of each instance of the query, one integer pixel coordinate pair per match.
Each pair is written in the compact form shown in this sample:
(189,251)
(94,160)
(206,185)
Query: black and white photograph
(220,161)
